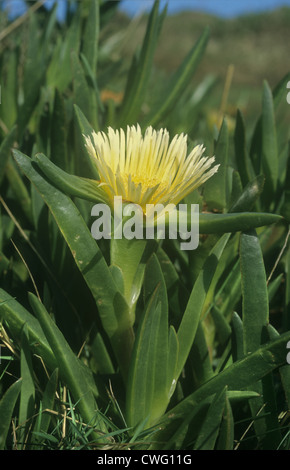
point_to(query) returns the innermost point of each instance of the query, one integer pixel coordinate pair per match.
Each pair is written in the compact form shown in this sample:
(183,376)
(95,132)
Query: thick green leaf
(255,321)
(57,75)
(269,144)
(173,284)
(138,78)
(84,96)
(178,83)
(71,185)
(5,150)
(112,306)
(172,358)
(285,210)
(191,317)
(48,400)
(238,376)
(286,316)
(210,427)
(199,361)
(269,106)
(222,328)
(49,25)
(27,395)
(285,370)
(91,35)
(9,83)
(274,286)
(229,293)
(19,188)
(279,90)
(69,365)
(225,264)
(34,74)
(216,190)
(236,186)
(149,385)
(7,404)
(131,257)
(254,291)
(226,436)
(84,128)
(92,81)
(58,132)
(235,222)
(101,355)
(237,337)
(243,161)
(142,399)
(16,317)
(85,251)
(173,436)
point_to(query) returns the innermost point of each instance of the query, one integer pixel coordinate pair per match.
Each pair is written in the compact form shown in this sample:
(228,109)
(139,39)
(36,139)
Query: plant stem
(131,257)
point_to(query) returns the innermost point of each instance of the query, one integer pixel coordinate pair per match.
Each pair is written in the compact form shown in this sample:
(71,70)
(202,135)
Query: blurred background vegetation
(241,53)
(243,50)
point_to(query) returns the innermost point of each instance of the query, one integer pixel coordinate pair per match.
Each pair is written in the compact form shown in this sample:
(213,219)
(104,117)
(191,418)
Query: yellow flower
(148,169)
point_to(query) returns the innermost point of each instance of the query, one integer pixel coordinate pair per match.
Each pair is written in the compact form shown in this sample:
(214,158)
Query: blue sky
(223,8)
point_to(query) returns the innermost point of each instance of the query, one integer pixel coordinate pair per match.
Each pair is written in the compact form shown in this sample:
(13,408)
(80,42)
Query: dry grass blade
(28,270)
(279,256)
(19,21)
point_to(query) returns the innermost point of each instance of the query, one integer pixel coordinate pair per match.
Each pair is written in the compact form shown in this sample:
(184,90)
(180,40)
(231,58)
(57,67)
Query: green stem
(130,257)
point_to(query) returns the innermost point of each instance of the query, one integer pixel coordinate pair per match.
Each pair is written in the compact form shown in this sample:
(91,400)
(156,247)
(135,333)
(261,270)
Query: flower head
(148,169)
